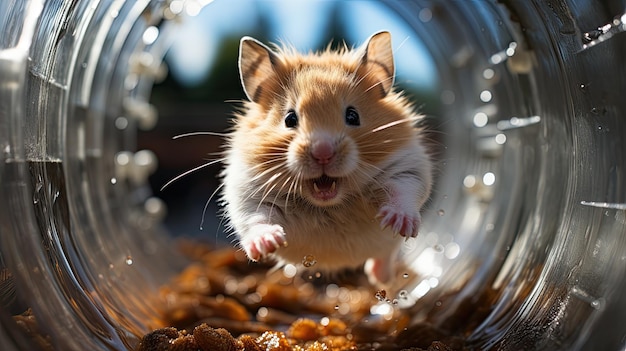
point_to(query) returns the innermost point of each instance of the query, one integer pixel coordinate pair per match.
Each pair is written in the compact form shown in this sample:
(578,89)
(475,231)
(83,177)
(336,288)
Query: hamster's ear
(378,60)
(256,64)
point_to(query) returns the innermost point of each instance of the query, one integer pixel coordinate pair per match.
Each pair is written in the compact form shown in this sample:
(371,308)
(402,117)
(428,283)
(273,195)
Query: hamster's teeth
(315,187)
(333,186)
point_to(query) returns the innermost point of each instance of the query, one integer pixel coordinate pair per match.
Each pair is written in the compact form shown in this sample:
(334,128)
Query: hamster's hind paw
(378,271)
(263,239)
(400,221)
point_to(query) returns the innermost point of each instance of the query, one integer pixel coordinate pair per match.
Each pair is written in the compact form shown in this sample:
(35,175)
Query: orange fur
(274,172)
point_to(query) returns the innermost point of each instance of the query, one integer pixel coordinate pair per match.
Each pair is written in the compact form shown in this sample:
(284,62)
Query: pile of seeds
(224,302)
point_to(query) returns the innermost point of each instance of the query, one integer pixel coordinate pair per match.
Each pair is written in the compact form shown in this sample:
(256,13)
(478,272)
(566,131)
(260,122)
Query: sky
(300,23)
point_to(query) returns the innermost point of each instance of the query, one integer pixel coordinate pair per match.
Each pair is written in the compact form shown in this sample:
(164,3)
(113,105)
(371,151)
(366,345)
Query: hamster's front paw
(405,223)
(263,239)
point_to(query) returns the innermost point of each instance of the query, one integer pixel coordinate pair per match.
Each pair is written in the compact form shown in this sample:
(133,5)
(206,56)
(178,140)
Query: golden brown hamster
(325,158)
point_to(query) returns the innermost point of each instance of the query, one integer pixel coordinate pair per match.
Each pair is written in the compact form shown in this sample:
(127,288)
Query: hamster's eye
(291,119)
(352,117)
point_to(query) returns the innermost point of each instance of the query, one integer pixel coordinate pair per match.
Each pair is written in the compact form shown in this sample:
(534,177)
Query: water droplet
(336,307)
(405,275)
(129,260)
(480,119)
(489,73)
(55,195)
(381,295)
(403,294)
(596,304)
(37,192)
(485,96)
(425,15)
(309,261)
(263,312)
(469,181)
(591,36)
(438,303)
(290,271)
(500,139)
(489,178)
(441,212)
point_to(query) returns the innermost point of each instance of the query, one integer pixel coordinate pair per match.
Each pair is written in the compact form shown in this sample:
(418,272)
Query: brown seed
(210,339)
(273,340)
(304,329)
(249,344)
(158,340)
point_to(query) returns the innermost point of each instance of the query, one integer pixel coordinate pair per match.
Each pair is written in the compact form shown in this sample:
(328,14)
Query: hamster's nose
(322,151)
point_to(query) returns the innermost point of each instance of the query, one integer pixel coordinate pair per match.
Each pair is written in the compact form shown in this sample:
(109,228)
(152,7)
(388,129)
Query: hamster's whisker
(217,153)
(267,188)
(268,191)
(354,184)
(379,83)
(368,74)
(288,180)
(280,191)
(375,178)
(266,171)
(365,164)
(206,204)
(358,82)
(191,171)
(266,166)
(261,186)
(391,124)
(280,148)
(268,162)
(184,135)
(300,181)
(293,181)
(275,156)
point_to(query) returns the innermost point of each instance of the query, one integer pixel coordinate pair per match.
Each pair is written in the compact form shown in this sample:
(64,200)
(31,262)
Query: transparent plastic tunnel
(525,100)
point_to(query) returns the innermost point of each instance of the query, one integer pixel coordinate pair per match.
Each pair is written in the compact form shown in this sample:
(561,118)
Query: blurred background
(202,87)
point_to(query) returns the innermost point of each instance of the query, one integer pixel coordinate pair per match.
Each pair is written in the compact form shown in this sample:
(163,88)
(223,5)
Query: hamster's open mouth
(324,188)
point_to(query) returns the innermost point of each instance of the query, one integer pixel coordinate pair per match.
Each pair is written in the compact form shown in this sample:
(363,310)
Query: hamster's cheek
(347,161)
(298,160)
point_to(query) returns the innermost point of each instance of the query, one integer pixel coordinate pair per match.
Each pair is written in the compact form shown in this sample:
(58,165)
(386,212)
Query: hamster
(324,160)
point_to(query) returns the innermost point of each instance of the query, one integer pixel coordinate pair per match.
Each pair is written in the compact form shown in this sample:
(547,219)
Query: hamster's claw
(404,223)
(262,240)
